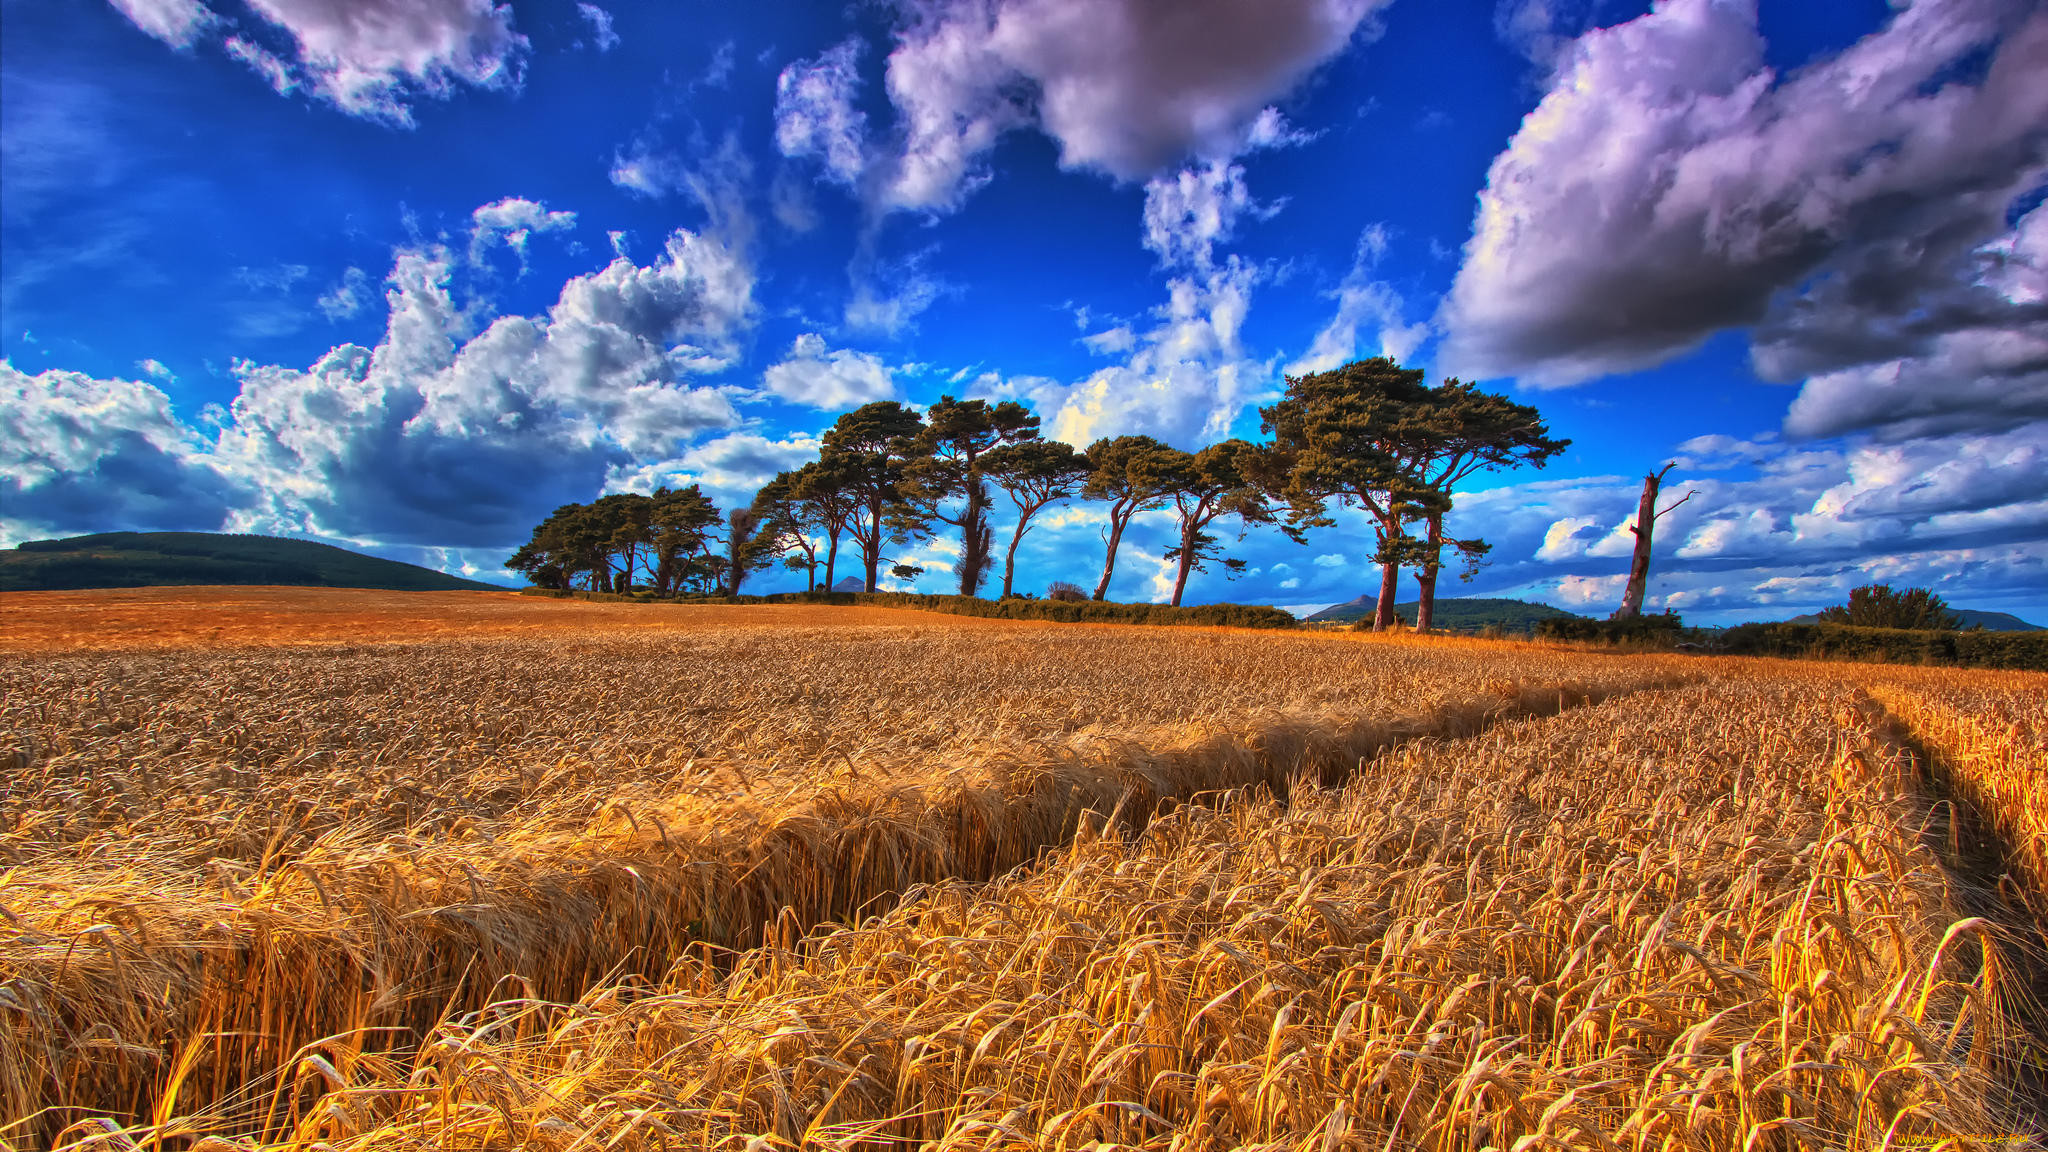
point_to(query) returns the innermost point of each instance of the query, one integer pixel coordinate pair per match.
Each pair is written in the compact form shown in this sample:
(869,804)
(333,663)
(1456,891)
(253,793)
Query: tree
(946,465)
(680,532)
(1644,527)
(553,557)
(790,523)
(749,545)
(1220,480)
(1035,473)
(1461,431)
(1131,472)
(824,488)
(613,539)
(865,451)
(1877,606)
(1353,434)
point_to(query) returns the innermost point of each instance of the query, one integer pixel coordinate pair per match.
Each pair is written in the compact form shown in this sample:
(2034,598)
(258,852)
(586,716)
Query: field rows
(217,860)
(1698,917)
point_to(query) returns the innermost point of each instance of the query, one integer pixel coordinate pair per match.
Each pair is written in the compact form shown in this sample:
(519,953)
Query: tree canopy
(1370,435)
(1879,606)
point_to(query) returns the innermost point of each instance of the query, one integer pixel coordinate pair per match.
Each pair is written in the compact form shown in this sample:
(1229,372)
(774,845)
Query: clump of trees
(1370,435)
(1878,606)
(1375,436)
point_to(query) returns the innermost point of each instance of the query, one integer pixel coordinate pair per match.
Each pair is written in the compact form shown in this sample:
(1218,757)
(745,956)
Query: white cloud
(347,297)
(264,63)
(814,113)
(1188,214)
(1755,536)
(156,369)
(600,26)
(828,380)
(889,309)
(79,454)
(1113,342)
(435,437)
(1671,185)
(368,58)
(730,468)
(1981,363)
(1186,380)
(1566,538)
(512,220)
(1362,302)
(1125,87)
(1332,560)
(175,22)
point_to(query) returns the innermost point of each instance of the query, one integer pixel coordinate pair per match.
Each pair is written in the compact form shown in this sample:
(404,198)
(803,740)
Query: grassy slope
(142,559)
(1475,612)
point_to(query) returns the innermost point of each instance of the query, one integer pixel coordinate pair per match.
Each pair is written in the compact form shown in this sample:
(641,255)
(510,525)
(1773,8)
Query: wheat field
(896,881)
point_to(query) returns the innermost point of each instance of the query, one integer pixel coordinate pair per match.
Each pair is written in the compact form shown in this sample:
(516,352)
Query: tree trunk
(1010,560)
(974,539)
(871,547)
(1390,587)
(1187,564)
(1116,536)
(1639,565)
(1425,576)
(831,557)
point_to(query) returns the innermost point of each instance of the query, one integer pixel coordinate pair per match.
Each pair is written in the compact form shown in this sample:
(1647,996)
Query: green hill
(1971,618)
(1453,614)
(142,559)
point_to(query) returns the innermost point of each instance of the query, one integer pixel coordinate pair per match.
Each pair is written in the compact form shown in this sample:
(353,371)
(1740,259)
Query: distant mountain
(142,559)
(1971,617)
(850,584)
(1457,614)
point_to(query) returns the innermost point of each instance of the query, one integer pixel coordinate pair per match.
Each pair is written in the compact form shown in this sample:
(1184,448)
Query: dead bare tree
(1646,523)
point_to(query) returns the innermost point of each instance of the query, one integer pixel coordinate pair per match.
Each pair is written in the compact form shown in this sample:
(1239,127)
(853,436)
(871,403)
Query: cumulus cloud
(511,221)
(730,468)
(1363,302)
(828,380)
(889,308)
(175,22)
(1771,527)
(814,113)
(348,296)
(264,63)
(1187,378)
(600,26)
(80,454)
(1188,214)
(1127,87)
(368,58)
(1670,185)
(1975,350)
(434,437)
(1567,538)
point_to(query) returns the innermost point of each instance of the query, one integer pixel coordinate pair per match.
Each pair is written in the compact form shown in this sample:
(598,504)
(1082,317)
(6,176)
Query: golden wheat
(1688,919)
(217,860)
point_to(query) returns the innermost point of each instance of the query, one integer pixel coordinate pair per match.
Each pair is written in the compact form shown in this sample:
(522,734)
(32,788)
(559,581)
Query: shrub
(1877,606)
(2023,651)
(1066,592)
(1663,630)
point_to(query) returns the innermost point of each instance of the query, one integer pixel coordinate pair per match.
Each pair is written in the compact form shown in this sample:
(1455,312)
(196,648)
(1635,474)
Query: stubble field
(367,870)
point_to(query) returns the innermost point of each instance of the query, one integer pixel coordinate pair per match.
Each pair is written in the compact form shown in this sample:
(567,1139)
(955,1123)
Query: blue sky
(407,274)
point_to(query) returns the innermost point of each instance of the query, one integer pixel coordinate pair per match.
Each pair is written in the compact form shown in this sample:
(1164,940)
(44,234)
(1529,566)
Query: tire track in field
(1990,879)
